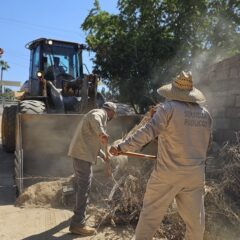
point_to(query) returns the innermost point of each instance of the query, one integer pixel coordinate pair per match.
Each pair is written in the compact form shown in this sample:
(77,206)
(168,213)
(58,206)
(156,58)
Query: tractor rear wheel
(32,107)
(9,128)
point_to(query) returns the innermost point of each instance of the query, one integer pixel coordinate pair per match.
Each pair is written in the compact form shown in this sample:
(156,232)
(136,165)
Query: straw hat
(182,89)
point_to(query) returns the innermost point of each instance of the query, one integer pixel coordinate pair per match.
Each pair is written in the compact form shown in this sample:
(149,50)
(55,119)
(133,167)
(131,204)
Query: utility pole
(2,88)
(1,92)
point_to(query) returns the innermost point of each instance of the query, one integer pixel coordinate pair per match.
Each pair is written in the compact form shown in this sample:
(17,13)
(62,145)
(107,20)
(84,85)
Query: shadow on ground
(50,234)
(59,232)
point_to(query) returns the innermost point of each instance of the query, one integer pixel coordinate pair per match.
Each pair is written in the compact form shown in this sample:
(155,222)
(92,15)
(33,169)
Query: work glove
(115,150)
(103,137)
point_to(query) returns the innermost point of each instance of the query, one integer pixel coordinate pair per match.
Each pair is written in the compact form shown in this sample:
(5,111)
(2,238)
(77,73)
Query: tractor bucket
(42,143)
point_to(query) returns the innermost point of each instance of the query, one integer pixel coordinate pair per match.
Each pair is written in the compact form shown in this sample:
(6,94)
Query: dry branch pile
(223,194)
(221,200)
(124,201)
(146,118)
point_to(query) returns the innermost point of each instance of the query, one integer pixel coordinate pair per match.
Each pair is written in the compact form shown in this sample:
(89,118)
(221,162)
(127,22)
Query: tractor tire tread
(9,128)
(32,107)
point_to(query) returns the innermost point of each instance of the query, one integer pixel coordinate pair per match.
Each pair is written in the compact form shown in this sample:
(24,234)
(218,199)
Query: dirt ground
(47,223)
(39,223)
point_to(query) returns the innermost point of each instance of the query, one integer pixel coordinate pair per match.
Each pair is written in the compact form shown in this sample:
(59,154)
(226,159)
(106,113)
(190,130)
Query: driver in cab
(54,70)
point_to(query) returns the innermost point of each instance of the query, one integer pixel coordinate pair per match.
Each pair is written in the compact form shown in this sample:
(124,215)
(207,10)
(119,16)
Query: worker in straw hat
(89,138)
(183,128)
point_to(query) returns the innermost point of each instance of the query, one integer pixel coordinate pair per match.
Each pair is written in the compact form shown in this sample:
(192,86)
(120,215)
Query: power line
(37,26)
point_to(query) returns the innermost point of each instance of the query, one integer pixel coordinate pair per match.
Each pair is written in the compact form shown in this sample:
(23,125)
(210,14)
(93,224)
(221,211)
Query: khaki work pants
(83,175)
(162,188)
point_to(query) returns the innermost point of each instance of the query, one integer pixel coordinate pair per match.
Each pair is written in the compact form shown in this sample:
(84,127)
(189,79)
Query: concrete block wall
(221,85)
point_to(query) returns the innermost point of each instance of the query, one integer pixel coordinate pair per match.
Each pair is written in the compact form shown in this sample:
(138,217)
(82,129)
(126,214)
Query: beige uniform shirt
(85,144)
(184,133)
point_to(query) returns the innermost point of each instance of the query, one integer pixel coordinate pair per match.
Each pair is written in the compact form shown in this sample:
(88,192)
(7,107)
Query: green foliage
(224,29)
(149,42)
(4,65)
(8,94)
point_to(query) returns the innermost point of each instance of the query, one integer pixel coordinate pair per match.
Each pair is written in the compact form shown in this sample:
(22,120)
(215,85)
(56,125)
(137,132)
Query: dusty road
(39,223)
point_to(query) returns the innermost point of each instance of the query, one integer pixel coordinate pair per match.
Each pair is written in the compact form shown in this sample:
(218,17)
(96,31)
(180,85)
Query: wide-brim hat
(181,89)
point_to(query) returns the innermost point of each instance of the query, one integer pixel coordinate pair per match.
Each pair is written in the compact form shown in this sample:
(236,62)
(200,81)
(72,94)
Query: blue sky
(22,21)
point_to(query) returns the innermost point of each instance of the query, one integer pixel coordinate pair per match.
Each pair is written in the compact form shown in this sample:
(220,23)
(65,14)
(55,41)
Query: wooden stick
(138,155)
(108,170)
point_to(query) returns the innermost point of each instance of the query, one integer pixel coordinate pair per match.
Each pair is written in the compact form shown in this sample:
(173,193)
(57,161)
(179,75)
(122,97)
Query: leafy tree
(8,90)
(8,94)
(222,38)
(148,42)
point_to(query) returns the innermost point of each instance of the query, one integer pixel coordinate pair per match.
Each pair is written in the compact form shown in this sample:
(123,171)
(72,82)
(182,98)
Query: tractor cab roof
(46,41)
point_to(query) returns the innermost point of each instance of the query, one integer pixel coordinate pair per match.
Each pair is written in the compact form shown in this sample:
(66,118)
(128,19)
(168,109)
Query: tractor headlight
(49,42)
(39,74)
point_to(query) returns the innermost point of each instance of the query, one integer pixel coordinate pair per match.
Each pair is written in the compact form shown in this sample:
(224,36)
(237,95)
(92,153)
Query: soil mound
(42,194)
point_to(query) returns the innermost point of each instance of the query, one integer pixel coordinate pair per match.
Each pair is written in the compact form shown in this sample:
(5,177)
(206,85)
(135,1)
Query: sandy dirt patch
(48,223)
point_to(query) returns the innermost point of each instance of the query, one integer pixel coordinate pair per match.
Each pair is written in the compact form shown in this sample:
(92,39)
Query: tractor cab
(56,77)
(57,60)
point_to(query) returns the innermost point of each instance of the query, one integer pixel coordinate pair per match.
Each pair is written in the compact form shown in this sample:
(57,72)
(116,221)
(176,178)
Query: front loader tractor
(39,127)
(57,84)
